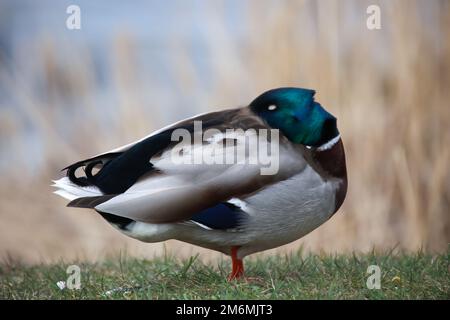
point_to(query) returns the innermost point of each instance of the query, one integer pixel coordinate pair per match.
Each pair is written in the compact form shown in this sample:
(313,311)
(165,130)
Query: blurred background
(134,67)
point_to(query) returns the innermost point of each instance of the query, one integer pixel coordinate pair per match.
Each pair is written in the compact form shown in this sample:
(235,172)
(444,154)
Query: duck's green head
(297,115)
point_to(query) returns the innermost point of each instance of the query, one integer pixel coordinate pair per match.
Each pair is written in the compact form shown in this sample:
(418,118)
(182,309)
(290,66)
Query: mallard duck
(151,190)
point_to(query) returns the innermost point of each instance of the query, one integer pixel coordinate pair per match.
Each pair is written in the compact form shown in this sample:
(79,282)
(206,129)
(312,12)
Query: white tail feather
(71,191)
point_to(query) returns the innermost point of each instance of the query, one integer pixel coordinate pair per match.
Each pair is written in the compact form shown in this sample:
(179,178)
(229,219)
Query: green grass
(295,276)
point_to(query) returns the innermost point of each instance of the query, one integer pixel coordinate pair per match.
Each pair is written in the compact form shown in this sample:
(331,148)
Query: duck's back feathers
(177,192)
(121,167)
(140,181)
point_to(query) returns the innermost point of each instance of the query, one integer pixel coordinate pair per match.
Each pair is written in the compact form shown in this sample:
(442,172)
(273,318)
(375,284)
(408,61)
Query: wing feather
(180,191)
(142,183)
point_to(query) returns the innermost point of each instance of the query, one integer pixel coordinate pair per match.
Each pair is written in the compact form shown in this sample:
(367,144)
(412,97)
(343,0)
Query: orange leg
(238,265)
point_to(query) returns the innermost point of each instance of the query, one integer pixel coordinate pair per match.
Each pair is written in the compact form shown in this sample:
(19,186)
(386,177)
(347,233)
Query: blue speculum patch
(221,216)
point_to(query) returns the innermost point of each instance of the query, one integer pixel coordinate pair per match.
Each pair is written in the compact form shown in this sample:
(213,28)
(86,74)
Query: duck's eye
(271,107)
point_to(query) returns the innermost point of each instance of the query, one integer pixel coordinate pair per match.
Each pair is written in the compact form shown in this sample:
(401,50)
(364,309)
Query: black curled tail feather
(88,165)
(120,170)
